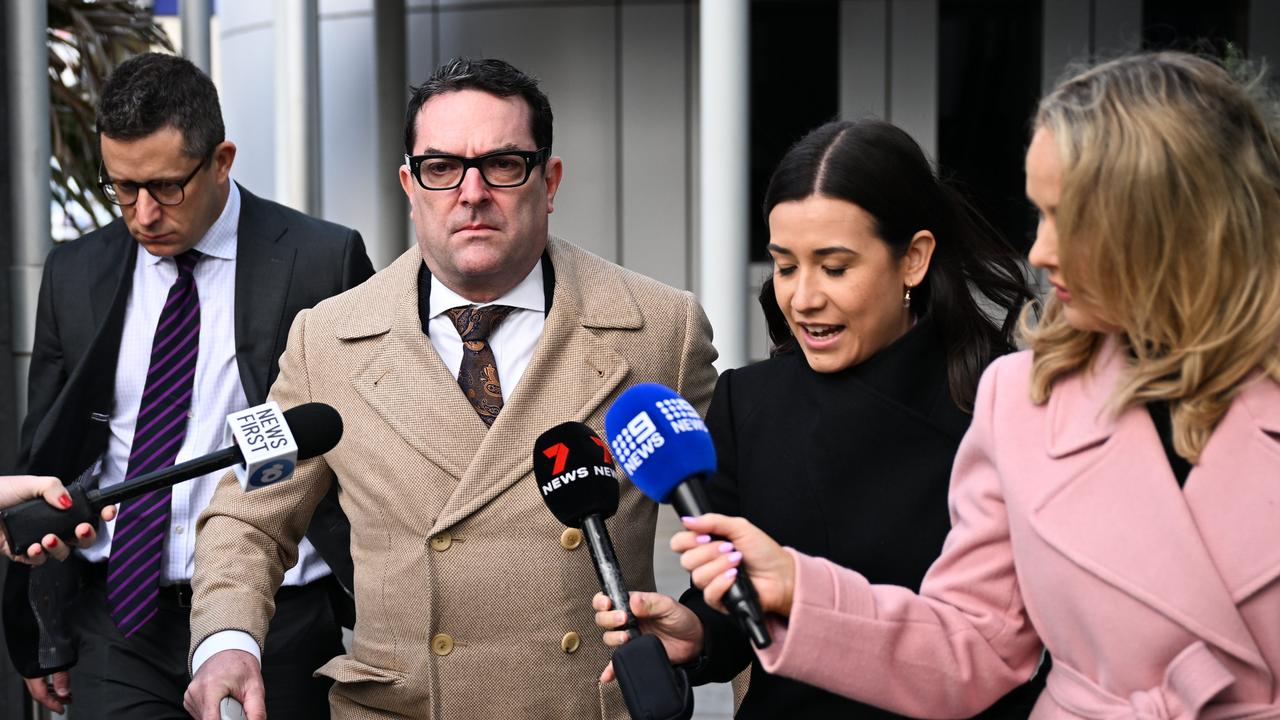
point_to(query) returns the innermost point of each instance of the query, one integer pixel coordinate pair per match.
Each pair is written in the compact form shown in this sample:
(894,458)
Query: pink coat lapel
(1118,511)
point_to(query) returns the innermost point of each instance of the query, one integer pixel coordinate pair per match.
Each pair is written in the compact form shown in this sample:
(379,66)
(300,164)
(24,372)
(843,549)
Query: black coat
(285,262)
(851,466)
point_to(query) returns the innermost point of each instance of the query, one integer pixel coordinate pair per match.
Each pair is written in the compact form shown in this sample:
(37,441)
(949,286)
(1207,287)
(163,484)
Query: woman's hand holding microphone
(713,564)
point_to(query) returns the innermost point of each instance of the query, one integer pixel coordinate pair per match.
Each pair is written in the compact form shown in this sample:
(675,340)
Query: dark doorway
(795,78)
(989,56)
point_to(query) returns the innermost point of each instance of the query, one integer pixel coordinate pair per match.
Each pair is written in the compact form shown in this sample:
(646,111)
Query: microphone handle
(689,500)
(607,570)
(28,522)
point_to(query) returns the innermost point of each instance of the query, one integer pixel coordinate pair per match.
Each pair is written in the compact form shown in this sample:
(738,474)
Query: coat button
(570,642)
(571,538)
(441,542)
(442,644)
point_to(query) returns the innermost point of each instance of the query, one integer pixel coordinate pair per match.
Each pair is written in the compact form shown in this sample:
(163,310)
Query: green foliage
(87,39)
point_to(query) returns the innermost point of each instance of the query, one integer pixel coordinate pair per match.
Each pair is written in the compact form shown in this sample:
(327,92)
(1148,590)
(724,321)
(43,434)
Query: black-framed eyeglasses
(166,192)
(502,169)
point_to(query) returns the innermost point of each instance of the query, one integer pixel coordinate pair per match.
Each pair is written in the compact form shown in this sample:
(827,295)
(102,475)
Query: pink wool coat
(1070,533)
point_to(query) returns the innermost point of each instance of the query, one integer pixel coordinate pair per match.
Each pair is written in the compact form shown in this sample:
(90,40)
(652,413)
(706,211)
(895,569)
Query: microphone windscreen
(316,428)
(659,439)
(575,474)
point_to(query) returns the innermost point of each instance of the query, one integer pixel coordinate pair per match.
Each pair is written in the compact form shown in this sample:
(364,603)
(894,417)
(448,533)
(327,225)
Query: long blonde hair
(1169,225)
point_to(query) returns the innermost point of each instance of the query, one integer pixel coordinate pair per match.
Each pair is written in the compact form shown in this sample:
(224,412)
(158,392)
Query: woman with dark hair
(841,444)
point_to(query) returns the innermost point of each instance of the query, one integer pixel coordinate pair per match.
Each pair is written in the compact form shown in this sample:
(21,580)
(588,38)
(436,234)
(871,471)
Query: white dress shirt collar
(527,295)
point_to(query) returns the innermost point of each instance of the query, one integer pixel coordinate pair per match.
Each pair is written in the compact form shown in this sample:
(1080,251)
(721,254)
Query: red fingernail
(53,542)
(65,502)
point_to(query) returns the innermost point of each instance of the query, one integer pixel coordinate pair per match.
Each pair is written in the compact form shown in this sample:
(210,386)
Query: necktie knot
(187,262)
(476,324)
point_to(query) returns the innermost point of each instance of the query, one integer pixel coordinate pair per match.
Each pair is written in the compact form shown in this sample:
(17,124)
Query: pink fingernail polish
(726,547)
(735,557)
(686,518)
(703,539)
(731,572)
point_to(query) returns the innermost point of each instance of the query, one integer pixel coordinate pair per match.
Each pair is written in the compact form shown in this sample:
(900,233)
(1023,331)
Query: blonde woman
(1117,497)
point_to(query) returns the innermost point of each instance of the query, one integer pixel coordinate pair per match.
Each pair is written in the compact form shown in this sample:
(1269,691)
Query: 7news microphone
(269,444)
(665,449)
(576,478)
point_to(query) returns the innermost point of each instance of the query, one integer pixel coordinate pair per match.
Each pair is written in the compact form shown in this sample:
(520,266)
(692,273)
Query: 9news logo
(637,441)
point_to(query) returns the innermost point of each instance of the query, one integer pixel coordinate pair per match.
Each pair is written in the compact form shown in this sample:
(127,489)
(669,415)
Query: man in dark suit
(139,356)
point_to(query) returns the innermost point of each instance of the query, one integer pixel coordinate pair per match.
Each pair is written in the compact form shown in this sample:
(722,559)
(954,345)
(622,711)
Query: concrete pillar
(28,82)
(298,105)
(195,16)
(390,48)
(724,131)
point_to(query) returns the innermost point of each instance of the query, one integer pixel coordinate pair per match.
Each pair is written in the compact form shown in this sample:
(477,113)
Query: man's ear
(552,174)
(224,156)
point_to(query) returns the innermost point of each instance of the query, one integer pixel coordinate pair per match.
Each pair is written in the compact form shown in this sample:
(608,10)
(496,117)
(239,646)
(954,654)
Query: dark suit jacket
(851,466)
(285,262)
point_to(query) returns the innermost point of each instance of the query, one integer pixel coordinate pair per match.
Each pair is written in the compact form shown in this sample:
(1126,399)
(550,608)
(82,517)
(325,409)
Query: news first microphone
(665,449)
(576,479)
(269,445)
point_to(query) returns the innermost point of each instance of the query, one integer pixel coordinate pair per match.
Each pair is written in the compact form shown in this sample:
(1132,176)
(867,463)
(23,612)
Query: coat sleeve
(245,545)
(356,266)
(697,376)
(951,651)
(725,650)
(48,374)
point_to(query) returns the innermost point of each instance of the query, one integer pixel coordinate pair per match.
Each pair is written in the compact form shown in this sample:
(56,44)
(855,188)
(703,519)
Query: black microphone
(315,427)
(576,478)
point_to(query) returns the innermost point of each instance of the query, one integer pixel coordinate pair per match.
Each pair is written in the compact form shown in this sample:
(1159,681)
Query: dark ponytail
(879,168)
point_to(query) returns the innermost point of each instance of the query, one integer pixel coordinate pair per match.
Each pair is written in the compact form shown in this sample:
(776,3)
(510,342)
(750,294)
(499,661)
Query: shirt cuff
(224,640)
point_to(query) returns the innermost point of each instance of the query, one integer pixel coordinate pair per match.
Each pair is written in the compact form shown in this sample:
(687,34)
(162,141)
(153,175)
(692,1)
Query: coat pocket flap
(345,669)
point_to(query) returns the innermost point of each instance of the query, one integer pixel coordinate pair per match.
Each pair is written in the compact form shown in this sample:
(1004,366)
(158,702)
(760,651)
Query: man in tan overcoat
(472,601)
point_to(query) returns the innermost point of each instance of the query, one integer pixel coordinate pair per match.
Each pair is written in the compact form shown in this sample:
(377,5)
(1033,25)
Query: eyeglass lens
(165,192)
(498,170)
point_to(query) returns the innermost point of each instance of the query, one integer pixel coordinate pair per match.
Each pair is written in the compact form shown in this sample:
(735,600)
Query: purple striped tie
(133,570)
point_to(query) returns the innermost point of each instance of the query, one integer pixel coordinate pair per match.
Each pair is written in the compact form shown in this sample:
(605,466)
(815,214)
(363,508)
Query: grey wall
(620,81)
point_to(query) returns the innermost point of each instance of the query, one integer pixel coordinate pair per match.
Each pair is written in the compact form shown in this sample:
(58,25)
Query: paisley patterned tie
(478,375)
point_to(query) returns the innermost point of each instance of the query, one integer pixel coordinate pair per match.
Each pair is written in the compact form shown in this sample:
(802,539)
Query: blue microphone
(661,443)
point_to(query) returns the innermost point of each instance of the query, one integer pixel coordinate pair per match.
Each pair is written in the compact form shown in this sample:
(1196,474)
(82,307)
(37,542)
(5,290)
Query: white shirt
(512,342)
(217,392)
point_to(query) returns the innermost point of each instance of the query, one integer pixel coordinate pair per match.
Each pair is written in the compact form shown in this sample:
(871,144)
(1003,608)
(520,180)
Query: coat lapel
(570,376)
(404,380)
(1119,513)
(1236,492)
(263,271)
(109,289)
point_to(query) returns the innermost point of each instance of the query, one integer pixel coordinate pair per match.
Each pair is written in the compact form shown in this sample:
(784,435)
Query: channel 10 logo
(271,473)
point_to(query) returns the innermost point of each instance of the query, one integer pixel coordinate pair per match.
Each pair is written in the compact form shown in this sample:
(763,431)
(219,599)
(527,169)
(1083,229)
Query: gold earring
(906,299)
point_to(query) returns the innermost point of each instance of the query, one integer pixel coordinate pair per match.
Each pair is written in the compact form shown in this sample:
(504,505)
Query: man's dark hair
(154,90)
(496,77)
